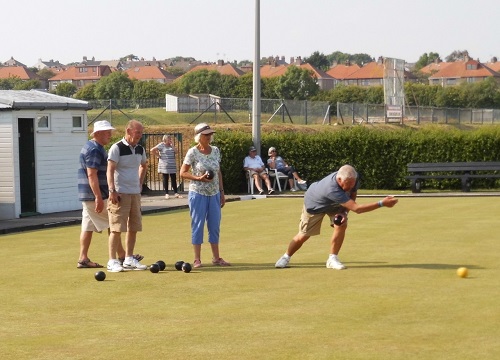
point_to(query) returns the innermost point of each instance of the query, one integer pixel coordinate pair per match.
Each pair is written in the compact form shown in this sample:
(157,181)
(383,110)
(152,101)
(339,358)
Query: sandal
(220,262)
(197,264)
(88,264)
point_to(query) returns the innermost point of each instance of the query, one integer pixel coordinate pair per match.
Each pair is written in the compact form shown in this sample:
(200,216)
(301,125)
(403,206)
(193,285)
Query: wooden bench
(465,171)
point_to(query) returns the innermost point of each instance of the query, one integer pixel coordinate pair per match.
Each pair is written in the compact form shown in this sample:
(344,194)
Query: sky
(68,30)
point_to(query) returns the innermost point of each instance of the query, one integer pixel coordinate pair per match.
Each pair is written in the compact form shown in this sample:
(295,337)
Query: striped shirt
(94,156)
(166,163)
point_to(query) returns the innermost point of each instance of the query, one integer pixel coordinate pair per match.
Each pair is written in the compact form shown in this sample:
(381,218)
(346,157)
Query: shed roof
(34,99)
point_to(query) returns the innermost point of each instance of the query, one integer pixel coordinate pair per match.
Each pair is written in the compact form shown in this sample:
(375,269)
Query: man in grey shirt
(127,165)
(334,195)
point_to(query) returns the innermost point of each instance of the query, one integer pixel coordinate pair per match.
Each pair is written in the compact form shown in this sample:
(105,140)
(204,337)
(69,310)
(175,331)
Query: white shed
(192,103)
(41,136)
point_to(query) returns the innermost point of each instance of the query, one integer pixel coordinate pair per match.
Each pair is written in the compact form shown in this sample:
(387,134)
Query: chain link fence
(356,113)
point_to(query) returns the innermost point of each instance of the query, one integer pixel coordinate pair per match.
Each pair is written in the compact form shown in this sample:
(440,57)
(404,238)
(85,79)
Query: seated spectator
(255,165)
(278,163)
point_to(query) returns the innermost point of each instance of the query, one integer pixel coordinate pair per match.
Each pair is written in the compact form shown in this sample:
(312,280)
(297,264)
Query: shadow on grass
(353,265)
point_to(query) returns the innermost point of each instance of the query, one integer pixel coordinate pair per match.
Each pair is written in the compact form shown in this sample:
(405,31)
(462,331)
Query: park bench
(465,171)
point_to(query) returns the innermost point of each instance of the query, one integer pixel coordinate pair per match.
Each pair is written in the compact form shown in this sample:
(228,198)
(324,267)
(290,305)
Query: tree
(117,85)
(319,61)
(200,82)
(45,74)
(426,59)
(66,89)
(86,92)
(130,57)
(457,55)
(147,90)
(297,84)
(27,84)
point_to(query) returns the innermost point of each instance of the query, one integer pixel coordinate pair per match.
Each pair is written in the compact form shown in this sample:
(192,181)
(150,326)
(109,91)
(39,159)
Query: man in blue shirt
(93,189)
(333,195)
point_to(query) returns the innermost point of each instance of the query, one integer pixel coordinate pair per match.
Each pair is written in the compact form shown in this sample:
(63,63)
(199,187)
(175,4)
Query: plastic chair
(251,181)
(277,177)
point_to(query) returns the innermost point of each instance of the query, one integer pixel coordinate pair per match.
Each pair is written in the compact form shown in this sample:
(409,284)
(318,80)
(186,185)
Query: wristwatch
(112,190)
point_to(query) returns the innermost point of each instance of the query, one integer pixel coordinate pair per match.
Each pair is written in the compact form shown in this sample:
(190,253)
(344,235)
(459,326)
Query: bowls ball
(186,267)
(154,268)
(100,275)
(178,265)
(161,264)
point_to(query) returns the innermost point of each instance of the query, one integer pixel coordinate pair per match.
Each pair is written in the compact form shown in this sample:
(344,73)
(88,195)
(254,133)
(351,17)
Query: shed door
(27,166)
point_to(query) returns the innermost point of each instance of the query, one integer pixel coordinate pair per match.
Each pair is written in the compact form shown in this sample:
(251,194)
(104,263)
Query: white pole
(256,82)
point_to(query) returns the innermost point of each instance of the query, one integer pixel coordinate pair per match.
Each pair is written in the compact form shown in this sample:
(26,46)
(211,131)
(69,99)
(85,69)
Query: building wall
(57,157)
(7,197)
(56,162)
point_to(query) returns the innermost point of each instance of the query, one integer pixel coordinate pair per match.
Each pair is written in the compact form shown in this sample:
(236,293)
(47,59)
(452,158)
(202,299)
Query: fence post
(305,103)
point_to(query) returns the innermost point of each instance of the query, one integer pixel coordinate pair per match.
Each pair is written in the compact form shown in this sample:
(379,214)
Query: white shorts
(92,221)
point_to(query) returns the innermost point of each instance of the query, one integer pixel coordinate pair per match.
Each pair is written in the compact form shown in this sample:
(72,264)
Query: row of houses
(370,74)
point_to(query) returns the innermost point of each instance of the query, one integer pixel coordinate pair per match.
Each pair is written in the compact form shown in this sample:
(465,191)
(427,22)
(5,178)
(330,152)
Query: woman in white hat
(206,192)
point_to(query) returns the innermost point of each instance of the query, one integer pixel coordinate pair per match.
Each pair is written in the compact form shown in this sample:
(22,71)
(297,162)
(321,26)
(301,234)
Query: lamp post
(256,82)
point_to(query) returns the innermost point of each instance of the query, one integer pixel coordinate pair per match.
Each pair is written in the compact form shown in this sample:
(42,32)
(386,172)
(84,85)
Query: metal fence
(153,181)
(240,109)
(358,113)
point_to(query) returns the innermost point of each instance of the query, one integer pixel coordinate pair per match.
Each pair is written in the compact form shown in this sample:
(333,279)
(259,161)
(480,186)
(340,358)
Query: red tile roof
(461,69)
(341,72)
(21,72)
(372,70)
(226,69)
(145,73)
(78,73)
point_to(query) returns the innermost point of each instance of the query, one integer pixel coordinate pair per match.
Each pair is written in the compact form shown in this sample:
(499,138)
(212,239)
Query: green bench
(465,171)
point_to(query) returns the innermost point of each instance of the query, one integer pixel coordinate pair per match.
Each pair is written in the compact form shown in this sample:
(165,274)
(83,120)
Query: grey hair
(347,172)
(197,138)
(165,137)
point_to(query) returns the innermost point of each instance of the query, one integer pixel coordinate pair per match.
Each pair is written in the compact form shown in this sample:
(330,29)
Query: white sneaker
(293,189)
(282,262)
(167,196)
(114,266)
(301,182)
(133,264)
(334,263)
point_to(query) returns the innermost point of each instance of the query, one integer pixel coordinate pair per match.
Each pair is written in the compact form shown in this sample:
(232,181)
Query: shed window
(78,122)
(43,122)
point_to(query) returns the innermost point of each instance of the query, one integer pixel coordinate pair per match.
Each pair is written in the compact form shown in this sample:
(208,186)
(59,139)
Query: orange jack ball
(462,272)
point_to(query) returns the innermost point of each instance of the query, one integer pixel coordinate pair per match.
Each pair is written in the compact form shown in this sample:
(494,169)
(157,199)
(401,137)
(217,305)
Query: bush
(380,156)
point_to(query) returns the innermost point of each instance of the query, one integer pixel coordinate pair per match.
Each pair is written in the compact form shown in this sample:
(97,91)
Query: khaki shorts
(310,224)
(126,215)
(92,221)
(262,174)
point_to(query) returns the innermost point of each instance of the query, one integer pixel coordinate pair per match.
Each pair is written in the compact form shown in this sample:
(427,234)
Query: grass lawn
(400,297)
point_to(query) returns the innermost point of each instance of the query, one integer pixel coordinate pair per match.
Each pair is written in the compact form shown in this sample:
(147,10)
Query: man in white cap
(93,189)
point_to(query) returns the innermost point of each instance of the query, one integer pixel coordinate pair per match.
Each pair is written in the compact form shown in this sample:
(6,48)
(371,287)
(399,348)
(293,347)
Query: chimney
(348,62)
(494,59)
(220,62)
(380,60)
(84,59)
(292,60)
(299,60)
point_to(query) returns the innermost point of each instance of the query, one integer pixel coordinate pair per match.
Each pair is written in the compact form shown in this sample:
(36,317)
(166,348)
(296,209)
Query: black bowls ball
(154,268)
(186,267)
(100,275)
(178,265)
(161,264)
(209,174)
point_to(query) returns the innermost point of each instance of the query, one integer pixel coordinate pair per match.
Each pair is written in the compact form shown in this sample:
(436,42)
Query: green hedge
(379,155)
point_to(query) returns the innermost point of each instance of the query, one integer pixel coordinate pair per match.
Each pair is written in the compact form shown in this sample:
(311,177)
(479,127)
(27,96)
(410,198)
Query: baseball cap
(102,126)
(252,148)
(204,129)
